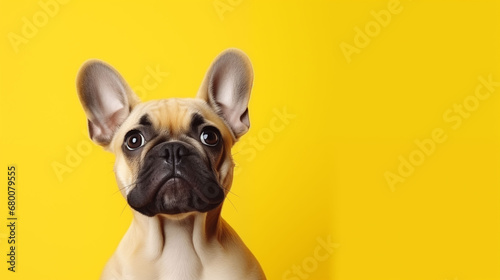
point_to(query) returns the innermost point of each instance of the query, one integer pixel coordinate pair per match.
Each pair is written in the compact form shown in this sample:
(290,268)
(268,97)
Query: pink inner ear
(228,94)
(235,120)
(109,103)
(102,129)
(224,87)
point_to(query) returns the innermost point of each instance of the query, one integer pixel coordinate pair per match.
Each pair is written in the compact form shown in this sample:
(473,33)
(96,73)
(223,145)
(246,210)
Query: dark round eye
(134,140)
(209,137)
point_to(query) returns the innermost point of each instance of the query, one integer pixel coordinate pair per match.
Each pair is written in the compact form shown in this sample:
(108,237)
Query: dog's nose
(174,152)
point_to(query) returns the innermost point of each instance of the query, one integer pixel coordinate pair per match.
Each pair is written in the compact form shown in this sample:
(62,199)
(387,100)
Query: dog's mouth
(173,190)
(175,195)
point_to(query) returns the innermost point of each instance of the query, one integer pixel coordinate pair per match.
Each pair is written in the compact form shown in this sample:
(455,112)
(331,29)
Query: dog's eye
(134,140)
(209,137)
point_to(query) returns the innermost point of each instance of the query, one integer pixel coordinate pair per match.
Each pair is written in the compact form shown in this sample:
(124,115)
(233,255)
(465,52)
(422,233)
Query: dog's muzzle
(175,179)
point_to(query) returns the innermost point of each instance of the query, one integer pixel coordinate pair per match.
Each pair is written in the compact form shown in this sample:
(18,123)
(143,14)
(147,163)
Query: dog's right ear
(106,98)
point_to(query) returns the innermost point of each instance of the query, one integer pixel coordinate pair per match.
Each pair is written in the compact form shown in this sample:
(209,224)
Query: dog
(174,167)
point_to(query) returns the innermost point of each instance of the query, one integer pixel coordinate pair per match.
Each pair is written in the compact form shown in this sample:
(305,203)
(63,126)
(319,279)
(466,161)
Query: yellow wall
(377,134)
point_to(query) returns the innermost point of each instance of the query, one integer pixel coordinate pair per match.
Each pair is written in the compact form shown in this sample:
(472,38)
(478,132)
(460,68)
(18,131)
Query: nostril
(167,155)
(174,152)
(179,155)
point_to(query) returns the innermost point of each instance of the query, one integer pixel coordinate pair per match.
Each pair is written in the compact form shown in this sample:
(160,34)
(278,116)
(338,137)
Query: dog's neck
(162,232)
(176,243)
(196,246)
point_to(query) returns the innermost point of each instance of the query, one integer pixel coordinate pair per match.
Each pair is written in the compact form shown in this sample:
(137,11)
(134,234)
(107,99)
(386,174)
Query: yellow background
(318,175)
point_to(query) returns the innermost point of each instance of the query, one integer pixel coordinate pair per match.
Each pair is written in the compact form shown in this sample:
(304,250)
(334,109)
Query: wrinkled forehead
(176,115)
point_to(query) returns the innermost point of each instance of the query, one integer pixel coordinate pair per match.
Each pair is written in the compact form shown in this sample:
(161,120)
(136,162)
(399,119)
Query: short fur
(175,181)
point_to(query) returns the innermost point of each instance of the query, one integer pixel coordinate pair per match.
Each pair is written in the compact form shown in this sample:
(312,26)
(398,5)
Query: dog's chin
(177,197)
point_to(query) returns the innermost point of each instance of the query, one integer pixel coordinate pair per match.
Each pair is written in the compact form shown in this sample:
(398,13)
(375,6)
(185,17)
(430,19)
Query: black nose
(174,152)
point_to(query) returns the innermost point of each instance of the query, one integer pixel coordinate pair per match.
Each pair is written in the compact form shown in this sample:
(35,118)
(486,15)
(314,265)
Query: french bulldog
(174,167)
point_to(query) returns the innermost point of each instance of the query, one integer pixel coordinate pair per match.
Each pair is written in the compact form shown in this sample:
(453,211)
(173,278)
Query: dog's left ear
(226,88)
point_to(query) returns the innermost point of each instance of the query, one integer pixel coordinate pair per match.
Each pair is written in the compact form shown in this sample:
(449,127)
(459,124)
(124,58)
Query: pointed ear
(106,99)
(226,88)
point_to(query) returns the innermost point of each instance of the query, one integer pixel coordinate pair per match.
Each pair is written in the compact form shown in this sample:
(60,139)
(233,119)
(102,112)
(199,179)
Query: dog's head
(172,155)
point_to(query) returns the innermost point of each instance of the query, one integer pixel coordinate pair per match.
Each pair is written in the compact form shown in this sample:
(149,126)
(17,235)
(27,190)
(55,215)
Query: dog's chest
(180,262)
(182,266)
